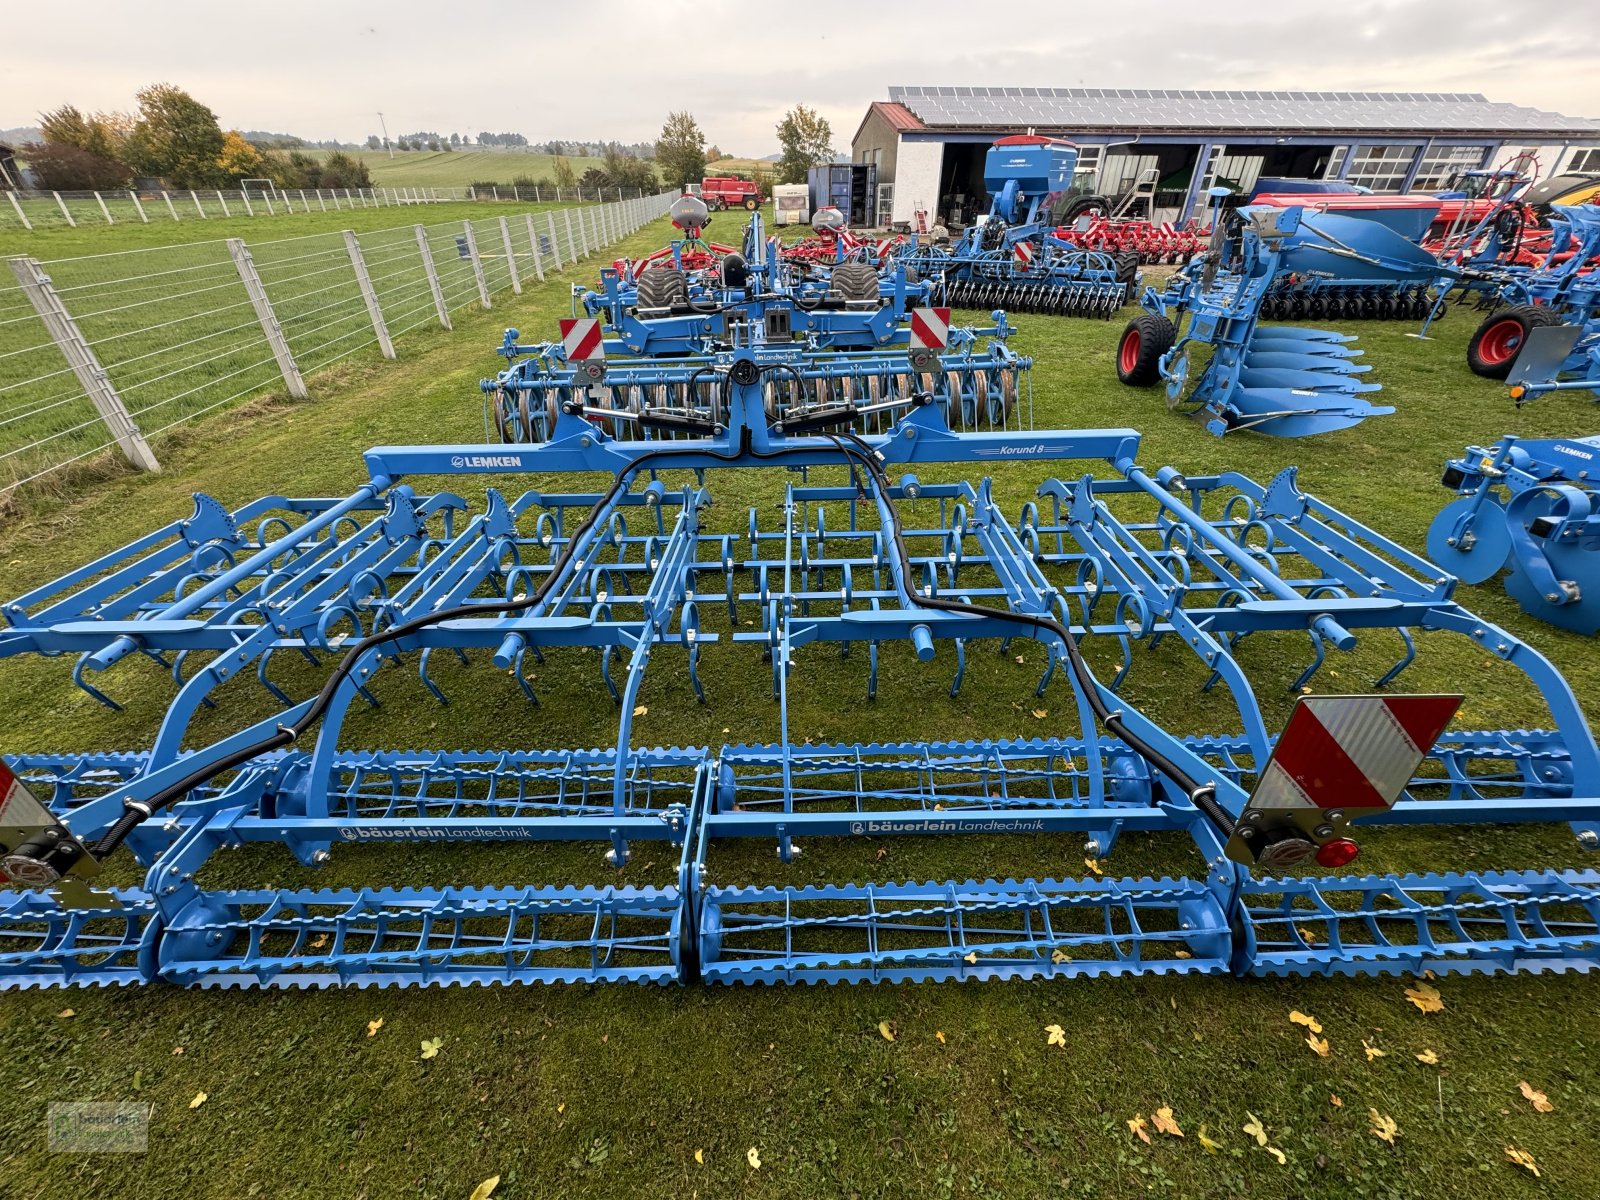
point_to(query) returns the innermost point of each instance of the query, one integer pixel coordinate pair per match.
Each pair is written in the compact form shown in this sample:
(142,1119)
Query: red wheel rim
(1500,342)
(1130,351)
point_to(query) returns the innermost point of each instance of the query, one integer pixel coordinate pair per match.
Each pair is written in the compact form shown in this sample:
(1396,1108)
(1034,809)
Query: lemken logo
(486,460)
(1573,451)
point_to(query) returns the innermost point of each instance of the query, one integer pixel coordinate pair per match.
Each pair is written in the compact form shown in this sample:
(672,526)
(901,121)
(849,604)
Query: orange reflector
(1337,853)
(1518,392)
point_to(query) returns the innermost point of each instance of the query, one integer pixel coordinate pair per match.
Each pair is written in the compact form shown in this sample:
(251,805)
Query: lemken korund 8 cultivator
(871,562)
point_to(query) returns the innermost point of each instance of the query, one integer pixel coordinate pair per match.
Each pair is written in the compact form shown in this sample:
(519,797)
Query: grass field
(458,168)
(591,1091)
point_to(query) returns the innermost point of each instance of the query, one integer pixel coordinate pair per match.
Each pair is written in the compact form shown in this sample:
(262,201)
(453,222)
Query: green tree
(105,135)
(681,150)
(176,137)
(565,176)
(806,139)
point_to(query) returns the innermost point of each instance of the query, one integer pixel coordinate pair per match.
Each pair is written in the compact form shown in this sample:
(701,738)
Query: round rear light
(1337,852)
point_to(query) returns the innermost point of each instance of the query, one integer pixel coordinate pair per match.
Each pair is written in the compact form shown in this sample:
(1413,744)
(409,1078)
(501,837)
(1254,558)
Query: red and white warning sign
(580,337)
(1351,752)
(930,328)
(1023,251)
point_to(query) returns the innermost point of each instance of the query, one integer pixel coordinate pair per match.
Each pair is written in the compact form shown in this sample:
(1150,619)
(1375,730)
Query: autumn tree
(59,166)
(239,159)
(681,150)
(806,140)
(176,137)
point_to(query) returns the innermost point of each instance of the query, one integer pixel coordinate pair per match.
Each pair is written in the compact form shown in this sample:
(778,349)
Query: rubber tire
(751,204)
(661,287)
(1527,317)
(1140,365)
(853,281)
(1084,204)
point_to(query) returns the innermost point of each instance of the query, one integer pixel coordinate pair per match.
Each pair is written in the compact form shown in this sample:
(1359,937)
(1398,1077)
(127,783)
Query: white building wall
(916,179)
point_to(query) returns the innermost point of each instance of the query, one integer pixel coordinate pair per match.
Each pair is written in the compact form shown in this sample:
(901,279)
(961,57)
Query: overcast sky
(613,69)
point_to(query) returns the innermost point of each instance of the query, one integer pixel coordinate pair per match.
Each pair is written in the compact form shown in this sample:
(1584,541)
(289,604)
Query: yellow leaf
(1383,1128)
(1320,1045)
(1163,1120)
(1059,956)
(1283,1159)
(1522,1159)
(1426,997)
(1372,1051)
(887,1030)
(971,958)
(485,1189)
(1428,1057)
(1136,1127)
(753,1157)
(1211,1147)
(1057,1036)
(199,1099)
(939,1033)
(561,1108)
(374,1026)
(67,1012)
(430,1047)
(177,1051)
(1093,865)
(318,942)
(1021,659)
(1041,713)
(640,710)
(1306,1019)
(1181,954)
(1254,1128)
(700,1157)
(1335,1101)
(1540,1102)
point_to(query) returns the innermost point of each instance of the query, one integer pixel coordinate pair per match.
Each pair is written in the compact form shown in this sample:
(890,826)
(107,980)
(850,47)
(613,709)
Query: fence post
(266,198)
(167,196)
(379,326)
(572,238)
(533,244)
(65,212)
(27,224)
(433,278)
(304,203)
(104,211)
(555,240)
(135,197)
(201,208)
(511,258)
(92,377)
(246,267)
(321,203)
(477,264)
(245,196)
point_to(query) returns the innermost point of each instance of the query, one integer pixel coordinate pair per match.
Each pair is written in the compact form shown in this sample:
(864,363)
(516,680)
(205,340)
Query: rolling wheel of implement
(1316,308)
(853,282)
(1297,308)
(662,287)
(1385,308)
(504,427)
(1146,338)
(1494,346)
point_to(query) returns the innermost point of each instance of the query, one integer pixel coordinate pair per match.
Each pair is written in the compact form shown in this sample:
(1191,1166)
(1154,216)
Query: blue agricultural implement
(1014,258)
(1280,380)
(1531,506)
(860,568)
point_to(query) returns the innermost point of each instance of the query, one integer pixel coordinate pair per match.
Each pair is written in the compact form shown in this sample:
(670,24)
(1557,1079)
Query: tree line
(804,136)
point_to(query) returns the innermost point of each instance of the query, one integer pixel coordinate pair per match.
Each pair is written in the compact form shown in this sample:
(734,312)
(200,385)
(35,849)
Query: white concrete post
(257,292)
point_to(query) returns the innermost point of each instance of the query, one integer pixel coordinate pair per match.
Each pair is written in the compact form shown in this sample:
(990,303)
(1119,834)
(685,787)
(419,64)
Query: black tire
(751,204)
(1146,338)
(852,282)
(661,287)
(1082,205)
(1495,344)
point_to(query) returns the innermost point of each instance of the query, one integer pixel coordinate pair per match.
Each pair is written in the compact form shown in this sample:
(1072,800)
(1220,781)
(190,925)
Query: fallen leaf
(1522,1159)
(640,710)
(1041,713)
(430,1047)
(939,1033)
(1283,1159)
(753,1157)
(318,942)
(1163,1120)
(971,958)
(1211,1147)
(1429,1057)
(373,1027)
(485,1189)
(1335,1101)
(1059,956)
(1021,659)
(887,1030)
(177,1051)
(1320,1045)
(199,1099)
(1093,865)
(1057,1036)
(1540,1102)
(561,1108)
(1136,1127)
(700,1157)
(1426,997)
(1383,1128)
(67,1012)
(1372,1051)
(1306,1019)
(1254,1128)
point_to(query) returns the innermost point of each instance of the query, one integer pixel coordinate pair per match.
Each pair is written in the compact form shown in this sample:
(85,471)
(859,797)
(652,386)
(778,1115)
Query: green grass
(610,1091)
(458,168)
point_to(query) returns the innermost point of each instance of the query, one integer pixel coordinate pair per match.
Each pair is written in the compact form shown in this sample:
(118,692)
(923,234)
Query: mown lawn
(590,1091)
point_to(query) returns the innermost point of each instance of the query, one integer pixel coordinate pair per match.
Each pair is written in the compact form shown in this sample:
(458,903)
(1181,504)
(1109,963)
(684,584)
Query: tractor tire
(1084,206)
(661,287)
(852,282)
(1146,338)
(715,203)
(1494,347)
(751,204)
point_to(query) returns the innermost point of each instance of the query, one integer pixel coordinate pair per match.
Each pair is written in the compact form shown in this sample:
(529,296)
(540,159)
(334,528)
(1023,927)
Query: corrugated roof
(1175,108)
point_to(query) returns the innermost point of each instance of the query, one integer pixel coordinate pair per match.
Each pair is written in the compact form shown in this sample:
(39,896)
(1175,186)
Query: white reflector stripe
(1372,739)
(1276,789)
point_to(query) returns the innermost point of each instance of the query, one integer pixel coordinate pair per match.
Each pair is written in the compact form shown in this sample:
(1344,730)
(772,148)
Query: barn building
(928,143)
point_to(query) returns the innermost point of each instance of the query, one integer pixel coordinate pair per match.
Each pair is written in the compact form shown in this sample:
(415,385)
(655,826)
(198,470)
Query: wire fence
(103,353)
(31,209)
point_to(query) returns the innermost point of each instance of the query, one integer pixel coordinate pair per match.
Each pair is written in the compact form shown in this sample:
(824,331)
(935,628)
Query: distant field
(741,166)
(458,168)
